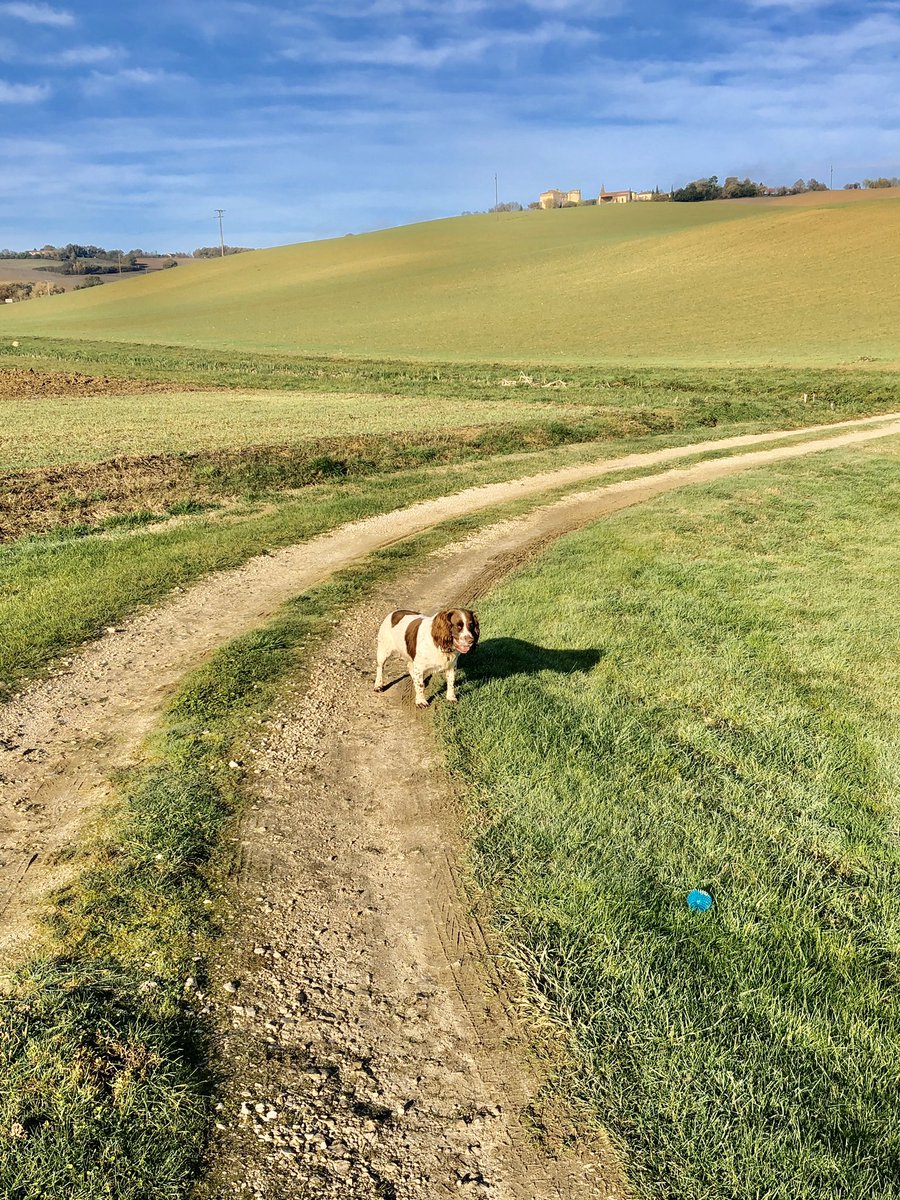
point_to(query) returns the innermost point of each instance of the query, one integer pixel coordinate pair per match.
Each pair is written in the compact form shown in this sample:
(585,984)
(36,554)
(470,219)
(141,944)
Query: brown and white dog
(428,644)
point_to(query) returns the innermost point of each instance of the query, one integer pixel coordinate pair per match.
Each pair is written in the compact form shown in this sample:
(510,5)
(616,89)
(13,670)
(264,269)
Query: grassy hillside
(801,280)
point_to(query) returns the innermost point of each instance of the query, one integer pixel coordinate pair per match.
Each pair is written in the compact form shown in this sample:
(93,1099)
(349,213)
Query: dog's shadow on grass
(503,657)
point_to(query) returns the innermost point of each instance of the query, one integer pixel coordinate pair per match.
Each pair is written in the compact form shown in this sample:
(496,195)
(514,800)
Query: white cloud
(38,14)
(437,10)
(23,93)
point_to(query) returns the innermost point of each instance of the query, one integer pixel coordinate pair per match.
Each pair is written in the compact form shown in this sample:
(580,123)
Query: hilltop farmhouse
(554,198)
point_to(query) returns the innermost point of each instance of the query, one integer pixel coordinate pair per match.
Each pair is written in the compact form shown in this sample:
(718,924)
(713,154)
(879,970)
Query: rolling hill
(807,279)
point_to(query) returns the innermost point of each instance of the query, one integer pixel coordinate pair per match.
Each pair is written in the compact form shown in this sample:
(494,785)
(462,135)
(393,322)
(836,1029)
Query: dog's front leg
(451,684)
(419,684)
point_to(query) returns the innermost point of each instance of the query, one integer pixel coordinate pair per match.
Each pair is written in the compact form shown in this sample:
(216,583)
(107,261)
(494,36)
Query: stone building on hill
(554,198)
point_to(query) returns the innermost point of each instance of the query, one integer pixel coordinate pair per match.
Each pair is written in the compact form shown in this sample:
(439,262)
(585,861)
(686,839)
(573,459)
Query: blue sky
(128,123)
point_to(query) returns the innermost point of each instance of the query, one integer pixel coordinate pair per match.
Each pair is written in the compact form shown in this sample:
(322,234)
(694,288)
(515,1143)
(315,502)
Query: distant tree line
(77,259)
(74,259)
(216,251)
(73,250)
(734,189)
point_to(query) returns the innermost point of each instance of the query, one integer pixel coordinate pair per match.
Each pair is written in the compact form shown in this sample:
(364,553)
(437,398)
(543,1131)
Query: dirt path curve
(63,737)
(373,1052)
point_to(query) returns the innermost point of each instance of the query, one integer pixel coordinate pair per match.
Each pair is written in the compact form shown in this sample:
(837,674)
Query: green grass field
(801,280)
(54,431)
(59,590)
(722,714)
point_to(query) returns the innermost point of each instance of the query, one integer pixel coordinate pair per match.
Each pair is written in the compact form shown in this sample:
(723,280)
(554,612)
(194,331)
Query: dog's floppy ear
(441,632)
(473,626)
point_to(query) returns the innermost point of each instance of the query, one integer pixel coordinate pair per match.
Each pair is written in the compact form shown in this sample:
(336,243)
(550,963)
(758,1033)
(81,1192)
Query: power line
(220,212)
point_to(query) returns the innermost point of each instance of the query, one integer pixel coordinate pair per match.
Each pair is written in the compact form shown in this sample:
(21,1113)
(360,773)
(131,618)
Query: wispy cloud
(407,51)
(100,83)
(82,56)
(792,5)
(23,93)
(38,14)
(431,10)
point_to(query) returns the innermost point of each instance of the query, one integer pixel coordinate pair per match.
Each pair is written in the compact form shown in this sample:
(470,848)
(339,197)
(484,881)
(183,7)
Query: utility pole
(496,191)
(220,212)
(831,179)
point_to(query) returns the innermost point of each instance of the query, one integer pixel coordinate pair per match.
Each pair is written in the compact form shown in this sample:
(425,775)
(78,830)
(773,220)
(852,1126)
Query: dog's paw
(379,687)
(422,704)
(452,700)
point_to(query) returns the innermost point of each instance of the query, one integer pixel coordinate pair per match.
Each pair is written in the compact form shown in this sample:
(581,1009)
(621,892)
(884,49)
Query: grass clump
(100,1097)
(721,713)
(105,1080)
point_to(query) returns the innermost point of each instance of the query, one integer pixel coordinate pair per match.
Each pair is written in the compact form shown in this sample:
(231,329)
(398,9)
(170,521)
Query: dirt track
(62,738)
(369,1028)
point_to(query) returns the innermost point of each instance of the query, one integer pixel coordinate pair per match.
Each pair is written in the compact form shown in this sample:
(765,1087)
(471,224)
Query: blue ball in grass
(699,901)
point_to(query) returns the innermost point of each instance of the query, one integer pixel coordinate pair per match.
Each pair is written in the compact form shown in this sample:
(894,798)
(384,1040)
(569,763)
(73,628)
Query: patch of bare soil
(83,496)
(27,383)
(41,500)
(36,501)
